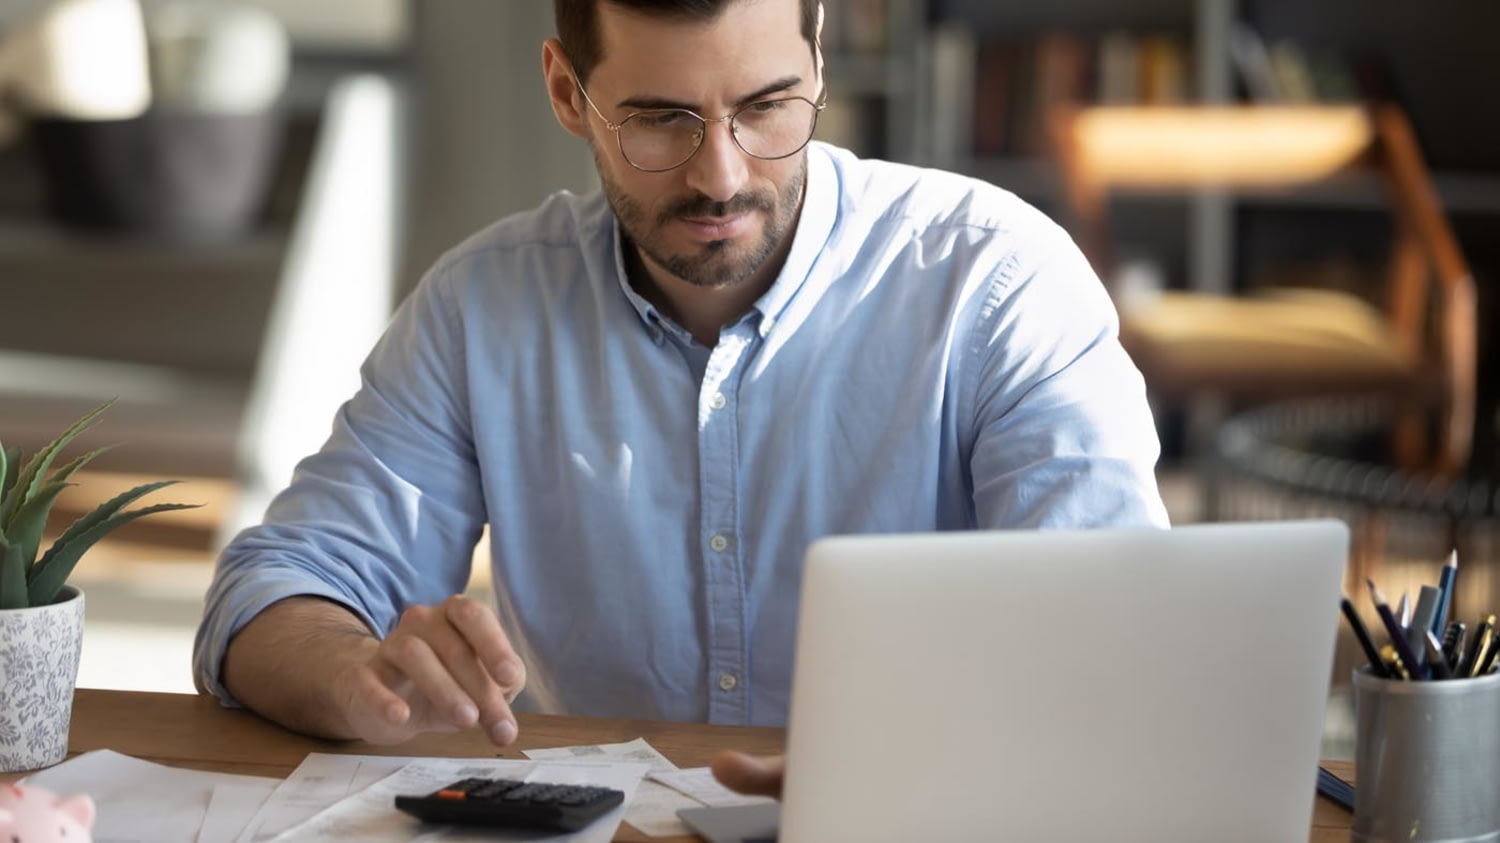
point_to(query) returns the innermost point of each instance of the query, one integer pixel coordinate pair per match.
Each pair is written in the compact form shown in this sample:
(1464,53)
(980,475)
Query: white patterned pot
(39,650)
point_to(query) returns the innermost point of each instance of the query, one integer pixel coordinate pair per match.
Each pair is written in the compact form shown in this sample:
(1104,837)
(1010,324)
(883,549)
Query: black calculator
(510,803)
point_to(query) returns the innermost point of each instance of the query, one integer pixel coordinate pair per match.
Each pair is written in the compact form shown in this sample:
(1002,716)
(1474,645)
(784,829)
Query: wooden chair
(1274,344)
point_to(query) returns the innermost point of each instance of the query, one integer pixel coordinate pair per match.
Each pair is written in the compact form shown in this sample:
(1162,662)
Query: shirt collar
(819,209)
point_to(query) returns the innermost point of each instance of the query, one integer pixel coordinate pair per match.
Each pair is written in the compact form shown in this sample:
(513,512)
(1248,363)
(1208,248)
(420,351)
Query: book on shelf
(1014,83)
(856,26)
(1289,73)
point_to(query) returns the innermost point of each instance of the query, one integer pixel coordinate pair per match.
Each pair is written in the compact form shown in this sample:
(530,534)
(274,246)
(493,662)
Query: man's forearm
(283,664)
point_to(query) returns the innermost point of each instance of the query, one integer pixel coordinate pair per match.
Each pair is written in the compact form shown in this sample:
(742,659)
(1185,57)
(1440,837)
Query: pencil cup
(1427,759)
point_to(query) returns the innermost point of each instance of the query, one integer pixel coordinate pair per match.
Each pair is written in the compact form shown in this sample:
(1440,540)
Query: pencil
(1377,667)
(1445,588)
(1392,628)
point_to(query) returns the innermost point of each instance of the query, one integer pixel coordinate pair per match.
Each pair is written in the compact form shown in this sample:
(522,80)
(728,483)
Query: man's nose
(719,168)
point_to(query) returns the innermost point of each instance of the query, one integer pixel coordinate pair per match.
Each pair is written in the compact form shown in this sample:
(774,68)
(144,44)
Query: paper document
(230,809)
(142,802)
(371,815)
(700,784)
(318,782)
(653,811)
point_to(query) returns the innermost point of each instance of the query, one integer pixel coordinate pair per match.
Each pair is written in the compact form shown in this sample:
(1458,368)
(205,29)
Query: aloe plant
(27,493)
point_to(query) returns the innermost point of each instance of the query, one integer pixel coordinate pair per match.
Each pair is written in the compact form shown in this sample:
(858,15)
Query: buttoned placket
(720,543)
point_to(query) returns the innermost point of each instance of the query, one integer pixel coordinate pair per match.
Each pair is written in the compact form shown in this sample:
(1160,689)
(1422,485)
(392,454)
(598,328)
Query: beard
(720,263)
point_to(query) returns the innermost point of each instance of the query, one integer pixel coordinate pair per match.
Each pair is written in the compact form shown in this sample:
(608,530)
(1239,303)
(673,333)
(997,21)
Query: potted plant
(41,616)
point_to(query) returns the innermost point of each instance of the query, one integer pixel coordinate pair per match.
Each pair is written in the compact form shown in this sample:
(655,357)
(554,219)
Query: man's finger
(416,659)
(481,629)
(374,712)
(749,774)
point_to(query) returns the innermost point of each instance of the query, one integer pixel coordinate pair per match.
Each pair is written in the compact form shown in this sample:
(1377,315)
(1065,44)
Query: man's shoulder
(926,197)
(562,227)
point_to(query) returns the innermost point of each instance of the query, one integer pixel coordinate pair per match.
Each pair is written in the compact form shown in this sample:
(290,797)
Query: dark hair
(578,23)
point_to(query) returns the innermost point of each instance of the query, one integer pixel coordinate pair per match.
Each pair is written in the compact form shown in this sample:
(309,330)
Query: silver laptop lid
(1079,685)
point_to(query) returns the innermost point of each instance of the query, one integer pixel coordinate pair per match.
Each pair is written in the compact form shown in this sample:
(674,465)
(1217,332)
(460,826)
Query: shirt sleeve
(1063,434)
(386,515)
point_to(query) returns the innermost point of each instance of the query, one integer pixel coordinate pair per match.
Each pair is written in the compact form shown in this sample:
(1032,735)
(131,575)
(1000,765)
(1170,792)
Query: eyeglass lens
(661,140)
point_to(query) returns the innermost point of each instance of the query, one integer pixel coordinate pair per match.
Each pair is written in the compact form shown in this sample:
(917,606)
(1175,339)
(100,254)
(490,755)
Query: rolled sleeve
(385,515)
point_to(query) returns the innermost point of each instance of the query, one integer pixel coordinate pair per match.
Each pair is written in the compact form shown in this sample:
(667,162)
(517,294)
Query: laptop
(1123,684)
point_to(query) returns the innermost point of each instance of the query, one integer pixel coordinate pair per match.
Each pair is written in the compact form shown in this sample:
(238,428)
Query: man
(658,396)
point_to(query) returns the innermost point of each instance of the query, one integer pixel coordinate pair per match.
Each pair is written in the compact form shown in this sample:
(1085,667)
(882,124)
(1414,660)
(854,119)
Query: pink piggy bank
(36,815)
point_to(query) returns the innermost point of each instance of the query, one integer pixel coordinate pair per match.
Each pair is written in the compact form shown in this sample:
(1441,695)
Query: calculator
(510,803)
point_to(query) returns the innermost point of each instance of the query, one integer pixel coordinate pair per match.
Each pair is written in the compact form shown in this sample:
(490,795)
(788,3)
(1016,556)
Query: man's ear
(567,103)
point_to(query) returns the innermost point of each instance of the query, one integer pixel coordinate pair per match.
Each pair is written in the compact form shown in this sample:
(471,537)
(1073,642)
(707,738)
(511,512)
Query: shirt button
(718,401)
(727,682)
(719,544)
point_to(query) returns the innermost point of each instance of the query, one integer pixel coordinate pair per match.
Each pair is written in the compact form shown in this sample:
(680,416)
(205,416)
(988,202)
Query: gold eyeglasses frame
(818,106)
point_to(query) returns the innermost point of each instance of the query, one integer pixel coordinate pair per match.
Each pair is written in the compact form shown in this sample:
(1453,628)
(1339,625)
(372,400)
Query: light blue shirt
(935,355)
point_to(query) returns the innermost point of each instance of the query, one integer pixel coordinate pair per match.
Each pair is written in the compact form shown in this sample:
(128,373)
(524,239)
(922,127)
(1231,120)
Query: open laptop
(1076,685)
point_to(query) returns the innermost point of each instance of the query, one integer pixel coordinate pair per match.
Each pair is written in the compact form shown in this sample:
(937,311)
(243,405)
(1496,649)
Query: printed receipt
(371,814)
(653,811)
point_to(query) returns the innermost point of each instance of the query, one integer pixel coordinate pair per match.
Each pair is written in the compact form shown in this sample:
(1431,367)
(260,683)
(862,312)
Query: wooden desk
(191,731)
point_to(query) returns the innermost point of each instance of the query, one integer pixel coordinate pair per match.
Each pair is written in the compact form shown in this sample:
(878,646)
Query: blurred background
(208,209)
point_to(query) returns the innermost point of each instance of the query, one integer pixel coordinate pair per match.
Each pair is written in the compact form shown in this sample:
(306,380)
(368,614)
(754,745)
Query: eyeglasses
(662,139)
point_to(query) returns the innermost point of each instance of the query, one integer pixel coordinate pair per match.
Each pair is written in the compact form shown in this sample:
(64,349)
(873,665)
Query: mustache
(702,206)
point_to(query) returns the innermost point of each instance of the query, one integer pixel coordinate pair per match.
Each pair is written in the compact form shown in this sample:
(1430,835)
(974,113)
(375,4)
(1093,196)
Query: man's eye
(664,119)
(765,107)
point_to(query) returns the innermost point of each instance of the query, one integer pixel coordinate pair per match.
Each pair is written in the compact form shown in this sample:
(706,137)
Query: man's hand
(749,774)
(311,665)
(442,669)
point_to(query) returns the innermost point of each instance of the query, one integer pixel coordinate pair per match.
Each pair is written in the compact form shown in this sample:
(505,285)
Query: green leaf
(71,468)
(13,590)
(105,510)
(12,461)
(31,476)
(49,575)
(31,520)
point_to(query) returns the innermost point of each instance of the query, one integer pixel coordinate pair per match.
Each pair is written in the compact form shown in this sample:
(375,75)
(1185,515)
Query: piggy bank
(36,815)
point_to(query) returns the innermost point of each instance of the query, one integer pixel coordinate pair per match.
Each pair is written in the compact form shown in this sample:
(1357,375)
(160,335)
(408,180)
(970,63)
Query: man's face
(715,220)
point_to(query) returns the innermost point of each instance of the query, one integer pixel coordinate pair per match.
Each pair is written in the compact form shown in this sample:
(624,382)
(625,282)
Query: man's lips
(709,229)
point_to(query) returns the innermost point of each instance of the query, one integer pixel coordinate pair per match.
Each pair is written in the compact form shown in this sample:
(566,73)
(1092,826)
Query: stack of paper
(352,797)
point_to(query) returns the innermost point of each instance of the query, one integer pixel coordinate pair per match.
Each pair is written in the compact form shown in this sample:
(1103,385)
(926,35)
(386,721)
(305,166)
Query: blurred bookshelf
(966,83)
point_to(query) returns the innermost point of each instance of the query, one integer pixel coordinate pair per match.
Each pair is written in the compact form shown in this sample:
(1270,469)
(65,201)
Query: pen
(1477,648)
(1435,659)
(1393,662)
(1363,636)
(1445,587)
(1403,611)
(1484,640)
(1392,628)
(1489,660)
(1421,621)
(1453,643)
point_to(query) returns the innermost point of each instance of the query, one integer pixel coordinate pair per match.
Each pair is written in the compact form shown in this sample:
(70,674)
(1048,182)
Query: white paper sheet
(138,801)
(318,782)
(700,784)
(371,816)
(230,809)
(653,811)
